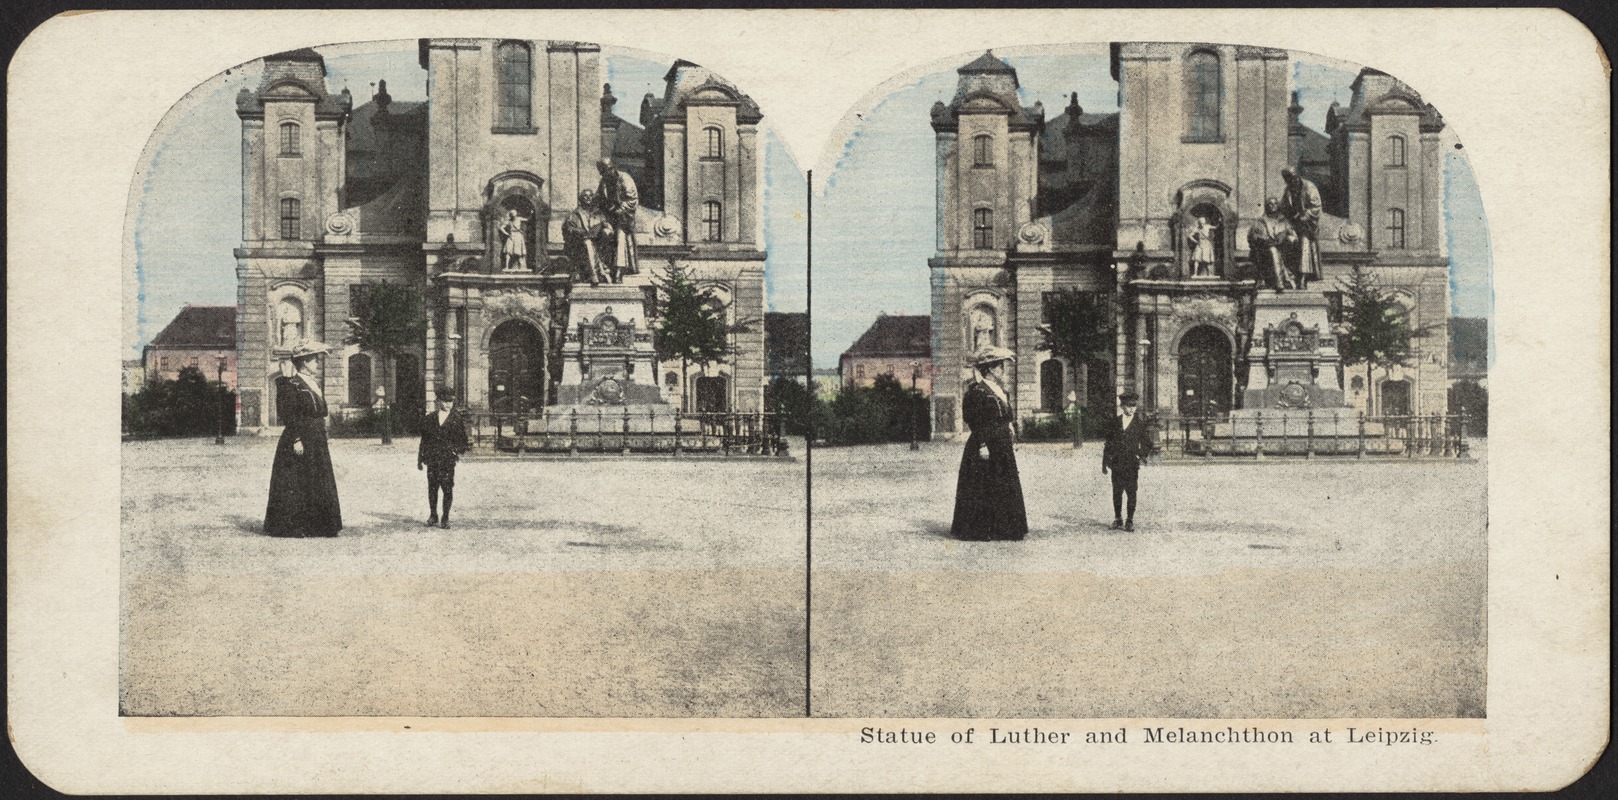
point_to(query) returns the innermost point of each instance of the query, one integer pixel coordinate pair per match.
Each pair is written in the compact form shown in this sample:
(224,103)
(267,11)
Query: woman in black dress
(988,492)
(303,490)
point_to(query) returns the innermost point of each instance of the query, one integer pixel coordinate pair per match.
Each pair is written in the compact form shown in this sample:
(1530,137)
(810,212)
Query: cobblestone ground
(594,587)
(1277,589)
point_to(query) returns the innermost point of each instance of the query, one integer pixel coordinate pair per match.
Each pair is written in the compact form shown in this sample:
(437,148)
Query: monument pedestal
(608,357)
(1292,361)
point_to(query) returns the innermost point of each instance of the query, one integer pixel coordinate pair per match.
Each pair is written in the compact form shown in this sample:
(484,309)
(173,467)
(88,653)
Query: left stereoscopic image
(452,388)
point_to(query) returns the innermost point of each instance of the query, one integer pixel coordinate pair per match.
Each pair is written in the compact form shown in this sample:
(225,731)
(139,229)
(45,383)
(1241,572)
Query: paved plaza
(1323,588)
(590,587)
(653,587)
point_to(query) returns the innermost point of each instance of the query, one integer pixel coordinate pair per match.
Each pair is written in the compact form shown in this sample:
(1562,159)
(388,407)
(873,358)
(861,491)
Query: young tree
(1375,332)
(691,323)
(1079,331)
(391,322)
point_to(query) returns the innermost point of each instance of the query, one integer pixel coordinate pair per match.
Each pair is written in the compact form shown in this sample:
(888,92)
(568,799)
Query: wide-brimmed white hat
(306,349)
(991,354)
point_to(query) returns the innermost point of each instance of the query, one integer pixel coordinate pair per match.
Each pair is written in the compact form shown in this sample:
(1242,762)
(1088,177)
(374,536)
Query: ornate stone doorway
(517,372)
(1205,373)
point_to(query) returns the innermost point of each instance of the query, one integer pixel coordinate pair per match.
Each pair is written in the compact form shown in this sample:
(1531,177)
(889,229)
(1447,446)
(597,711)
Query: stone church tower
(338,199)
(1112,206)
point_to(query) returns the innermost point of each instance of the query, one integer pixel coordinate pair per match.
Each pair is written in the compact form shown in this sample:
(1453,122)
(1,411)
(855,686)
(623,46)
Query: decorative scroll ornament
(339,223)
(1350,233)
(517,303)
(1204,308)
(666,226)
(1032,233)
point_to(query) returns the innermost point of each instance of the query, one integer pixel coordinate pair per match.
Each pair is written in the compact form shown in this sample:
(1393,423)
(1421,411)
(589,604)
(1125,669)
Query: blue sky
(188,216)
(875,218)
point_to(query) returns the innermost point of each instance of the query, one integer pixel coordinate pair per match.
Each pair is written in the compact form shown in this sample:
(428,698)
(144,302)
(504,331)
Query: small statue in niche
(1204,258)
(514,250)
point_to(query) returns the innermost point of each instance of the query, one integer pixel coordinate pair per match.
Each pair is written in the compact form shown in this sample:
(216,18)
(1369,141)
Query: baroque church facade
(1107,204)
(338,198)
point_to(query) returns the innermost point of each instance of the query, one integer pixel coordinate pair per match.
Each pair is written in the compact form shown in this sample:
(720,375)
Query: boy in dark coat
(1127,448)
(443,440)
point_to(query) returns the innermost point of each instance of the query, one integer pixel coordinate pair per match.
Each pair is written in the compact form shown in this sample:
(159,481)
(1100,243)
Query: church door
(1395,398)
(1205,373)
(711,395)
(516,368)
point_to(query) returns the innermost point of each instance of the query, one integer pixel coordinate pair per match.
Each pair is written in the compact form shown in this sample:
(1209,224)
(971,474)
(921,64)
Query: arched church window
(713,221)
(982,228)
(1204,94)
(716,143)
(1396,228)
(291,214)
(983,150)
(289,318)
(1396,151)
(514,77)
(291,139)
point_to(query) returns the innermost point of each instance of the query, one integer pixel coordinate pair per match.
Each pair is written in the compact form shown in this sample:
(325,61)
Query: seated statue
(582,234)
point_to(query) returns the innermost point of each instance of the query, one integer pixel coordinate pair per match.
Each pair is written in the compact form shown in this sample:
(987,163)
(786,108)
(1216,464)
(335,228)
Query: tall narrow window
(514,73)
(290,212)
(983,150)
(1396,151)
(291,139)
(713,219)
(716,143)
(1396,228)
(982,228)
(1202,96)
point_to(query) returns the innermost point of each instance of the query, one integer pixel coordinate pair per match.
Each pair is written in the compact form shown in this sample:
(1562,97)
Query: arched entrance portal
(1205,372)
(516,368)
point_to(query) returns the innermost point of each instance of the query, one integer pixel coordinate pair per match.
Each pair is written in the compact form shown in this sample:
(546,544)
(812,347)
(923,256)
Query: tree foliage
(391,322)
(189,405)
(1080,328)
(886,411)
(691,320)
(1375,330)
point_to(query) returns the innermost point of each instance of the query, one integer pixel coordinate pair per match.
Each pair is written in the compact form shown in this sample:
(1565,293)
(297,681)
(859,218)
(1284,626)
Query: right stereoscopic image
(1151,381)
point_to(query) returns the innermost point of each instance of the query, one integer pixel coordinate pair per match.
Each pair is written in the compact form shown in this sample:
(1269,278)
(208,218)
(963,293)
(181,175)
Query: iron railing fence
(1310,434)
(620,430)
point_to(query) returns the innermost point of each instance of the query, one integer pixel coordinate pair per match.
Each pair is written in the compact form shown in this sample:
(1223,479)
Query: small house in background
(200,336)
(896,345)
(786,345)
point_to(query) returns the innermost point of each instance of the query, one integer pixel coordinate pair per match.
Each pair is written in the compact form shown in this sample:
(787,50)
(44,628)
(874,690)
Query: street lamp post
(382,409)
(1078,435)
(219,407)
(915,422)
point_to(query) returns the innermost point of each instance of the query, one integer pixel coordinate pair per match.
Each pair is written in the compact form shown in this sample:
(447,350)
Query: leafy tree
(885,411)
(392,322)
(796,404)
(691,323)
(189,405)
(1079,332)
(1375,331)
(1475,399)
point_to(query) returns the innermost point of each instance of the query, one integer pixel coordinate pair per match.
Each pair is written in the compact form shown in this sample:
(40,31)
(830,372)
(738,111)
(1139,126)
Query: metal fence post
(573,432)
(1362,435)
(1207,437)
(1309,436)
(625,451)
(678,415)
(1410,436)
(1258,436)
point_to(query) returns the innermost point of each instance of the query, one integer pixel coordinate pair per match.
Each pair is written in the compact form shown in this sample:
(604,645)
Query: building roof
(200,328)
(896,335)
(786,342)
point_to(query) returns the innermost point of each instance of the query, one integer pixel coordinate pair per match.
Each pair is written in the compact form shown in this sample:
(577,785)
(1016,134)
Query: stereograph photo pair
(1061,401)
